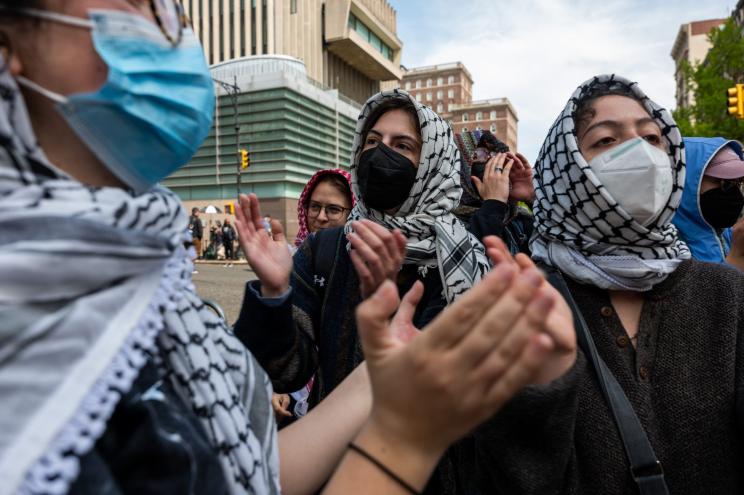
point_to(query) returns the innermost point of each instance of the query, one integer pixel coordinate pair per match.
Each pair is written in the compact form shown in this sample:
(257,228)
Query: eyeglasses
(333,212)
(169,17)
(729,184)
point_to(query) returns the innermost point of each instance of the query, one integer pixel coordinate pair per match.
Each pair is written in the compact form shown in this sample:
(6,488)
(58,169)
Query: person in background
(228,240)
(494,182)
(709,218)
(669,328)
(197,231)
(115,377)
(325,203)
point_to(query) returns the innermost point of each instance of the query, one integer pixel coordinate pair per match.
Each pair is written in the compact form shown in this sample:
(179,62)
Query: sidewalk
(220,262)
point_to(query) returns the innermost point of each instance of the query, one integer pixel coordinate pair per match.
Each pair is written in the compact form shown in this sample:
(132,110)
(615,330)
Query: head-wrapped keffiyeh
(581,229)
(94,282)
(435,236)
(302,205)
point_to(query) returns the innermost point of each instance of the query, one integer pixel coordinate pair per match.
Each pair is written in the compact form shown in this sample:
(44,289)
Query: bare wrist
(411,461)
(272,292)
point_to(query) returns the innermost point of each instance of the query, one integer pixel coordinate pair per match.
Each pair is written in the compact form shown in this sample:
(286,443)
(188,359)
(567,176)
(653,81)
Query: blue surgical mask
(156,107)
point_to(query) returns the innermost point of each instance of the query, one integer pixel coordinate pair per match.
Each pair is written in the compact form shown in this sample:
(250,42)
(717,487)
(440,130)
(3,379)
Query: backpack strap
(644,465)
(323,246)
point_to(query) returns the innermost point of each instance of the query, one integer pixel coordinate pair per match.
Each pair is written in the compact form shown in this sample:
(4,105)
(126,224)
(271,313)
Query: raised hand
(559,323)
(461,369)
(376,253)
(521,179)
(267,254)
(495,183)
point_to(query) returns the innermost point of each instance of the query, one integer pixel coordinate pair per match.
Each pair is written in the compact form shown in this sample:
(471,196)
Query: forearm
(357,474)
(311,448)
(269,329)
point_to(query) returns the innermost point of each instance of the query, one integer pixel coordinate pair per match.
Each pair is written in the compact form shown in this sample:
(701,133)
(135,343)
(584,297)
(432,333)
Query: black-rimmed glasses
(333,212)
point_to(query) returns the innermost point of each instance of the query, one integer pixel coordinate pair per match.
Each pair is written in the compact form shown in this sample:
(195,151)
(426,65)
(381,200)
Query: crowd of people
(449,319)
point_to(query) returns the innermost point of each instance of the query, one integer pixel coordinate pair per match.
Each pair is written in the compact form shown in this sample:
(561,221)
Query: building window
(366,33)
(449,107)
(440,94)
(428,83)
(293,6)
(408,85)
(451,80)
(450,93)
(440,107)
(493,128)
(440,81)
(493,114)
(478,115)
(464,117)
(418,83)
(428,96)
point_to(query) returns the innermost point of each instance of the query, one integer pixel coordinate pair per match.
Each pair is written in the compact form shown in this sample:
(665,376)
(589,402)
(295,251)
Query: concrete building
(448,90)
(691,46)
(349,45)
(291,127)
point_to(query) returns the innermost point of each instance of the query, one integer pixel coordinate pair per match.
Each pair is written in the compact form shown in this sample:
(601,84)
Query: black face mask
(385,178)
(721,209)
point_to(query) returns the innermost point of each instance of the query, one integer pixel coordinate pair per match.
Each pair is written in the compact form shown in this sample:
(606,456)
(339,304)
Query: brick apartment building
(448,89)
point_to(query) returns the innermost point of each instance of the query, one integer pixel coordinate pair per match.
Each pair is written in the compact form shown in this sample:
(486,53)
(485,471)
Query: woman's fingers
(457,320)
(521,372)
(531,321)
(244,214)
(366,278)
(277,231)
(499,321)
(408,304)
(381,241)
(373,321)
(498,252)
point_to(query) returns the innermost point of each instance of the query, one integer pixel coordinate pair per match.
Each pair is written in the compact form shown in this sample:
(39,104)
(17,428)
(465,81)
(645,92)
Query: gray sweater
(685,381)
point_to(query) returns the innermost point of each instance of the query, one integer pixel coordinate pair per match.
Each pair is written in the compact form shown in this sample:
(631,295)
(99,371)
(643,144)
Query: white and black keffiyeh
(435,236)
(581,229)
(93,283)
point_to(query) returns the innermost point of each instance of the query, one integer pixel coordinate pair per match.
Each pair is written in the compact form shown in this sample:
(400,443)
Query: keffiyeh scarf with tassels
(581,229)
(436,238)
(93,283)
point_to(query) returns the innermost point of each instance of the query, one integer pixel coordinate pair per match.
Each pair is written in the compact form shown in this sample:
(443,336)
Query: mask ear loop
(55,17)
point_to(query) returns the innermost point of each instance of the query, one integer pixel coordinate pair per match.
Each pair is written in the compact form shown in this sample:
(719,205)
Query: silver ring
(499,169)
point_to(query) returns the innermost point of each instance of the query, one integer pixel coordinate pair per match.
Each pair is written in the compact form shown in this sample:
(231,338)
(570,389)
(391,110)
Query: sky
(536,52)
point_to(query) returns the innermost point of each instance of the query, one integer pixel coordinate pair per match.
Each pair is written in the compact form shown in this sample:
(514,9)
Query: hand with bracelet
(458,372)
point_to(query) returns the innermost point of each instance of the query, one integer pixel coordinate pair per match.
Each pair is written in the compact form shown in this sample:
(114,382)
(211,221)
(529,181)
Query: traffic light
(230,209)
(736,101)
(245,159)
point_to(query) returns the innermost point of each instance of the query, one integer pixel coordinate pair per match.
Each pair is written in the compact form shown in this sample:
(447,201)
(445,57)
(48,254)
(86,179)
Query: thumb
(373,319)
(477,183)
(277,230)
(403,319)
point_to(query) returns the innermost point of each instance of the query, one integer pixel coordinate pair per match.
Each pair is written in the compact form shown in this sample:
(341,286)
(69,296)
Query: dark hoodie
(705,242)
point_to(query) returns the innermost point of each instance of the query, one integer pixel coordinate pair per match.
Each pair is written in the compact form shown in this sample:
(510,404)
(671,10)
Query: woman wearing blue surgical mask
(114,376)
(666,329)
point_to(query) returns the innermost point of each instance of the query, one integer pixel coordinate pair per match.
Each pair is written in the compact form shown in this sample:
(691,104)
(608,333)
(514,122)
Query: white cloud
(536,52)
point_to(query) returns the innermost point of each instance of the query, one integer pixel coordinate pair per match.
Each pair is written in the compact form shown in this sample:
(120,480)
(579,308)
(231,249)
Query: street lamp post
(234,90)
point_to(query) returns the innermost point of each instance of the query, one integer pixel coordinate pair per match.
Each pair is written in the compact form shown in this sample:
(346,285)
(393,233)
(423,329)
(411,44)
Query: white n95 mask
(638,176)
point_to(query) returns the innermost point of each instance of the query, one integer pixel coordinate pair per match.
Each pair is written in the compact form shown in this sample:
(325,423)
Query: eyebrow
(396,136)
(614,124)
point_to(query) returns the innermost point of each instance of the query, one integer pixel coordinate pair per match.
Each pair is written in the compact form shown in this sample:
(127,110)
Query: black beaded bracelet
(384,469)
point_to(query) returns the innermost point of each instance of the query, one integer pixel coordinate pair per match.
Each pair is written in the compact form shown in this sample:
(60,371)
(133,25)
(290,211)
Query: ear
(12,61)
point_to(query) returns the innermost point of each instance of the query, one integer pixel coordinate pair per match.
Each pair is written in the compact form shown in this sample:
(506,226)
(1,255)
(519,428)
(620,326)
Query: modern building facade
(291,127)
(349,45)
(448,90)
(691,46)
